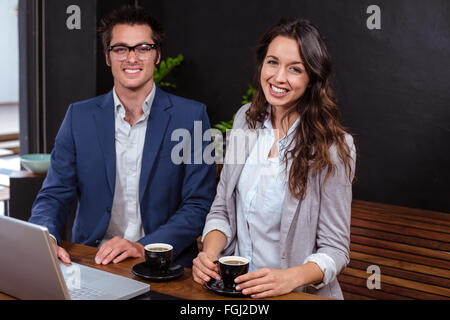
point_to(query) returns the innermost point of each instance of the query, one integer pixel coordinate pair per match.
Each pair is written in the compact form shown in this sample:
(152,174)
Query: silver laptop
(30,269)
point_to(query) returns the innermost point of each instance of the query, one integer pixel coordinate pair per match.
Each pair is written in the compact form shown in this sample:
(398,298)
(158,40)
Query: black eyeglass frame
(133,48)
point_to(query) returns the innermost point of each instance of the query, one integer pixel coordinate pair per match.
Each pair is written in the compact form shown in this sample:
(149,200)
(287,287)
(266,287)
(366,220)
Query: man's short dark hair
(130,15)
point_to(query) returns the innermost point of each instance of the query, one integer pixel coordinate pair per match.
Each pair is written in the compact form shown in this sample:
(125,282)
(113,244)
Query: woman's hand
(204,268)
(267,282)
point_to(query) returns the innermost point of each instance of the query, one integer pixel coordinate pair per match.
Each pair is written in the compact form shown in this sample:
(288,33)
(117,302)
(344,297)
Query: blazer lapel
(104,119)
(156,130)
(291,208)
(234,156)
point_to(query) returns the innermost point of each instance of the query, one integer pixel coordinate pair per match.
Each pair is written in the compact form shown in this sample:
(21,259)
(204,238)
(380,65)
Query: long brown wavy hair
(319,127)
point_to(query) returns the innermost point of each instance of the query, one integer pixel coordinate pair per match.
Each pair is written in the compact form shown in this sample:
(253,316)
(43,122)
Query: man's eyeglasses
(121,52)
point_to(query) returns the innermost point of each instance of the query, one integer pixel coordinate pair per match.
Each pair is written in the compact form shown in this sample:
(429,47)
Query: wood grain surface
(184,287)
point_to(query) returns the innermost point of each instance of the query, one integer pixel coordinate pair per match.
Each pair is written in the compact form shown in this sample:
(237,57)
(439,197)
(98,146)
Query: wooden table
(183,287)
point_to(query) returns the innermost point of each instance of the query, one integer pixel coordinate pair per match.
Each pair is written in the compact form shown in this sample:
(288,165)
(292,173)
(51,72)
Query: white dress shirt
(260,192)
(125,213)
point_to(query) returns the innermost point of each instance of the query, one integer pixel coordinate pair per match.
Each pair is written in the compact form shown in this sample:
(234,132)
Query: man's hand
(117,250)
(61,253)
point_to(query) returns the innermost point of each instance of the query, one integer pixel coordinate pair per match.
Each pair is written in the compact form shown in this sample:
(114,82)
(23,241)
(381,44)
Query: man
(114,153)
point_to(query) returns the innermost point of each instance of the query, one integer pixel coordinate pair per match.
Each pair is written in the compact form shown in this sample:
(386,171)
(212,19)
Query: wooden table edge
(184,287)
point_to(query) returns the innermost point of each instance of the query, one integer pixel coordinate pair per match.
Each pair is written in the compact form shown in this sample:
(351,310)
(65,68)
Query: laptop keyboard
(86,283)
(85,293)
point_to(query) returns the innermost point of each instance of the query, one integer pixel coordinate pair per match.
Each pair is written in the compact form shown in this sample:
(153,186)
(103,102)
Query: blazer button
(108,210)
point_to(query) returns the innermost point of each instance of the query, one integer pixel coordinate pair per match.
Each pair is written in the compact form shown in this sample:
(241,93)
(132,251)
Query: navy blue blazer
(174,198)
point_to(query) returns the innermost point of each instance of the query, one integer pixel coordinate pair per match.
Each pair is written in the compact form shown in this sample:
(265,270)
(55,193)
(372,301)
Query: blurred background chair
(23,189)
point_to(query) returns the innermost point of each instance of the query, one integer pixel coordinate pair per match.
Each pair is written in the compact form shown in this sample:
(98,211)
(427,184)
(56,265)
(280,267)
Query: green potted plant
(164,68)
(223,126)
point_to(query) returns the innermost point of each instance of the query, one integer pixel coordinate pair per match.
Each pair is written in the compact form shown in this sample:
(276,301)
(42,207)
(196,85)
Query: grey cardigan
(318,223)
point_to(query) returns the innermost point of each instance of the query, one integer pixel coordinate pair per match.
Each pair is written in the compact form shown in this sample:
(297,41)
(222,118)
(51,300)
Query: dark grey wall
(29,72)
(70,61)
(392,83)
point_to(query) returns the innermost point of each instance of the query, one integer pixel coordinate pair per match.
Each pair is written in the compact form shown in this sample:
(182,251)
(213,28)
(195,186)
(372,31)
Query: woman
(287,206)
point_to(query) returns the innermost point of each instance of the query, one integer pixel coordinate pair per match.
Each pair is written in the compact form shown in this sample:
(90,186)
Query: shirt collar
(267,124)
(118,107)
